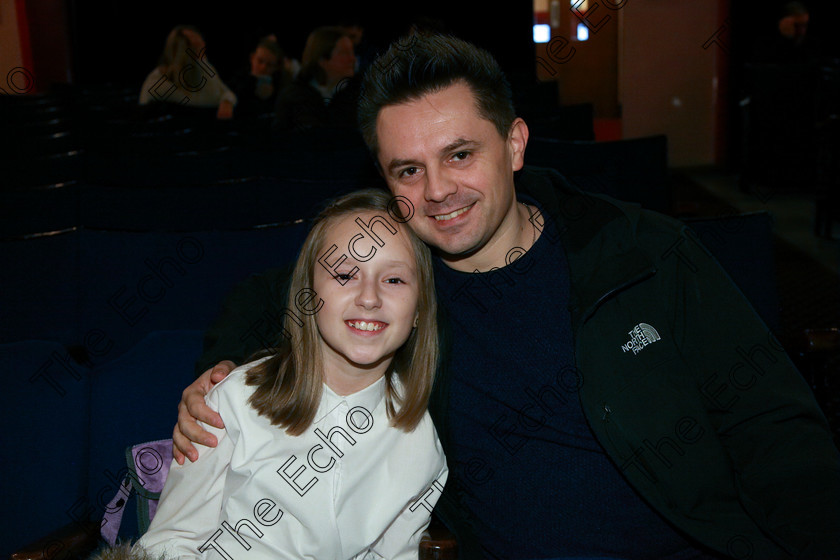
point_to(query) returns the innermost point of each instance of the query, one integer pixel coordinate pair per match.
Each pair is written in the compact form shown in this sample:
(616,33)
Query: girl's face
(370,298)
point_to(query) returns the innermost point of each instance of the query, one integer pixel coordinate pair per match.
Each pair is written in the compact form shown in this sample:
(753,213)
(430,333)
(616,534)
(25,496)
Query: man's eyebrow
(394,163)
(459,143)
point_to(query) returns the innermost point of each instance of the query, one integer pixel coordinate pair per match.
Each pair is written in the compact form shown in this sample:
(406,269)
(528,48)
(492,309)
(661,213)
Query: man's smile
(449,216)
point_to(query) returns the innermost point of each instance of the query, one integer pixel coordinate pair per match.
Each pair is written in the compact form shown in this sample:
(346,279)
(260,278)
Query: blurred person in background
(185,76)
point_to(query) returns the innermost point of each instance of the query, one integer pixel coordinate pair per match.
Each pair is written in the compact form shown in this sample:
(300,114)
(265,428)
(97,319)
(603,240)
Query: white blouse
(351,486)
(208,91)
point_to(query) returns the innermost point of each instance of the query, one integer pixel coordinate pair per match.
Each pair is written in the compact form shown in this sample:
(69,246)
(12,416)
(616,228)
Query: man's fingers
(197,409)
(182,447)
(177,455)
(221,370)
(192,409)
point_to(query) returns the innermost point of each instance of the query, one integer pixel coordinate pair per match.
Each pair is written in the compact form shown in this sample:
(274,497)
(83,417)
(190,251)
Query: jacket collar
(597,233)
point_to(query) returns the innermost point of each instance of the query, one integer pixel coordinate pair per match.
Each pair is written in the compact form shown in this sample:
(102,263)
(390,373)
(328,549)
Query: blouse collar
(368,398)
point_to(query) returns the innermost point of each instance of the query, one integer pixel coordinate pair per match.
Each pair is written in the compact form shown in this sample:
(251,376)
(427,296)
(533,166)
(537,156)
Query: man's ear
(517,141)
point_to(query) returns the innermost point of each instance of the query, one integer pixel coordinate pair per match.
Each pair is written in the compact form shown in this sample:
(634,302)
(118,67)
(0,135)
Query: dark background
(121,42)
(115,42)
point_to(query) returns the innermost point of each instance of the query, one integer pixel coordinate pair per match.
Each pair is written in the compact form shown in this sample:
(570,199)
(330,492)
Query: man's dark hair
(422,63)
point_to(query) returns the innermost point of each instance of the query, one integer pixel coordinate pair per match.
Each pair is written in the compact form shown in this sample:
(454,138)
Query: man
(788,41)
(606,391)
(792,44)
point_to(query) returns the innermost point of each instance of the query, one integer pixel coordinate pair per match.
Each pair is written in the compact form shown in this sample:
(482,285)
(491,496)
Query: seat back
(138,282)
(743,245)
(634,170)
(44,444)
(566,122)
(41,281)
(134,399)
(35,209)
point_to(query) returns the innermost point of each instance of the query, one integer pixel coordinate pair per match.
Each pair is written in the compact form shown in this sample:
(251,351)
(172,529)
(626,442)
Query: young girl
(328,450)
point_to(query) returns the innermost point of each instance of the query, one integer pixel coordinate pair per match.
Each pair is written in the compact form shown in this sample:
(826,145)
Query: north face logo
(641,335)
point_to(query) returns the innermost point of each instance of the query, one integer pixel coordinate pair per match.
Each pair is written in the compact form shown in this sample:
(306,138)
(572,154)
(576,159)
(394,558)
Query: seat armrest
(438,543)
(816,352)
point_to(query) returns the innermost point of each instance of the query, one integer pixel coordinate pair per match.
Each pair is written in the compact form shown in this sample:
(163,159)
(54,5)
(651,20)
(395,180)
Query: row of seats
(238,187)
(189,167)
(224,205)
(106,137)
(70,424)
(99,292)
(58,139)
(230,188)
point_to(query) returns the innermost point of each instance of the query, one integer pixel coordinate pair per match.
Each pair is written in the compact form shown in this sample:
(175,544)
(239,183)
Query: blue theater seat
(134,398)
(138,282)
(41,285)
(37,209)
(635,170)
(38,170)
(45,440)
(100,292)
(743,245)
(568,122)
(221,205)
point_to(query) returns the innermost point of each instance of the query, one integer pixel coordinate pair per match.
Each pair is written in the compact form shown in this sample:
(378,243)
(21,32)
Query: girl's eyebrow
(398,264)
(351,262)
(400,267)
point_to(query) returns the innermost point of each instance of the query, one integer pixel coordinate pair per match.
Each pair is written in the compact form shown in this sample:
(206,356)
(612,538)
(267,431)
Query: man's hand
(193,408)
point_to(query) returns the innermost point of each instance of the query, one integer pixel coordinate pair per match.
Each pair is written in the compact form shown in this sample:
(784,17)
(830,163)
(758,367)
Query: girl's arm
(190,506)
(401,540)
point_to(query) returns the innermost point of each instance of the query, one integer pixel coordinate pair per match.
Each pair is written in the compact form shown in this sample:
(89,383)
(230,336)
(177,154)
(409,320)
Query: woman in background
(324,92)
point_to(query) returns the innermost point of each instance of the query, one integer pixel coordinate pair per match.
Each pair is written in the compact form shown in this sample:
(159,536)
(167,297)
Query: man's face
(457,171)
(263,62)
(794,27)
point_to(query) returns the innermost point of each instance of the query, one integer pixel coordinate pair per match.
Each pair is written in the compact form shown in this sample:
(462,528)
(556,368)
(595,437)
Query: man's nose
(439,185)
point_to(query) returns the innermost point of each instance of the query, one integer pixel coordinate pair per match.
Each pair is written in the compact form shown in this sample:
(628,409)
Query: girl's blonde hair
(290,383)
(175,58)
